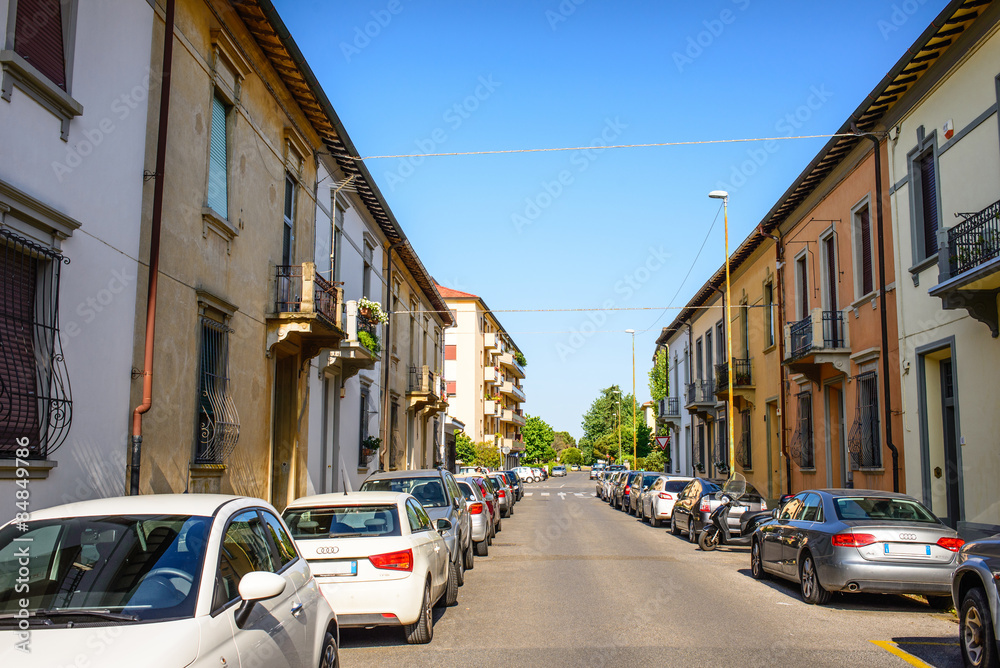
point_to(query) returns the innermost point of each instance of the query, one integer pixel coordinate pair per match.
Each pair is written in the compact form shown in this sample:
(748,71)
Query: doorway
(939,431)
(836,441)
(283,435)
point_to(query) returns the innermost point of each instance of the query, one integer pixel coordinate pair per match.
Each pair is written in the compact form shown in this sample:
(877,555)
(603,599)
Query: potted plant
(370,341)
(369,447)
(372,311)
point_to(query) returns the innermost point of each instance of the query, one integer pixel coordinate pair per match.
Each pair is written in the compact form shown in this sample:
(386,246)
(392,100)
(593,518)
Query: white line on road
(578,494)
(545,493)
(562,495)
(528,493)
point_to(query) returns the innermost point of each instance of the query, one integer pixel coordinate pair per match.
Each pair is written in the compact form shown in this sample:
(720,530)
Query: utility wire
(587,148)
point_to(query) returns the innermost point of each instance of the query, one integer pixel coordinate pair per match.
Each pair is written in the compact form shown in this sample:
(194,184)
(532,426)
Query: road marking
(892,648)
(562,495)
(578,494)
(545,493)
(528,493)
(562,485)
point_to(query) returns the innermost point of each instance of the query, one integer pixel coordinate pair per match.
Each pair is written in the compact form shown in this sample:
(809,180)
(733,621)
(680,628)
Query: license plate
(741,509)
(905,549)
(343,568)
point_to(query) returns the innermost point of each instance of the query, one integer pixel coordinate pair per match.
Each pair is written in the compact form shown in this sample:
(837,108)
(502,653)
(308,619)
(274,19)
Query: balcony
(509,388)
(515,444)
(819,338)
(668,410)
(743,388)
(509,361)
(307,315)
(362,347)
(491,341)
(969,267)
(424,391)
(513,416)
(492,408)
(700,397)
(492,375)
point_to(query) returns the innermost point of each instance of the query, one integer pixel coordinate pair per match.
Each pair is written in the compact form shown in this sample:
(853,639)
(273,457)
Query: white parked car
(526,474)
(173,580)
(658,501)
(378,558)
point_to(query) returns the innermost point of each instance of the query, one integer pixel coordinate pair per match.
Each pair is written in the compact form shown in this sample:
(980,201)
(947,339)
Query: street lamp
(724,196)
(634,430)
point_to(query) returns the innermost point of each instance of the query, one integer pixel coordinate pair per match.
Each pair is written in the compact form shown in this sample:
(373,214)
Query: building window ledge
(221,226)
(870,469)
(38,469)
(771,348)
(807,470)
(926,263)
(17,71)
(867,355)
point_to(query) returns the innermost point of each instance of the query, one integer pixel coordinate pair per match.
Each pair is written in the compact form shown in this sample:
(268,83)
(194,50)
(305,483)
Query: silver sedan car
(856,540)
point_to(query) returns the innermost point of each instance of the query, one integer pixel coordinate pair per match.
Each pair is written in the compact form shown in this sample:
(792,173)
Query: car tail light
(852,539)
(952,544)
(393,561)
(706,505)
(475,508)
(388,615)
(628,489)
(665,496)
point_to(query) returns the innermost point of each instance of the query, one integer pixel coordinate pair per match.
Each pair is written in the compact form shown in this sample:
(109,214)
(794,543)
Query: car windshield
(428,491)
(882,509)
(82,569)
(343,521)
(675,485)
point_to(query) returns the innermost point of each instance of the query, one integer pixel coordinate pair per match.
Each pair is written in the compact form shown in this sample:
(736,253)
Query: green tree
(465,449)
(538,437)
(487,454)
(659,384)
(563,440)
(603,422)
(655,461)
(571,456)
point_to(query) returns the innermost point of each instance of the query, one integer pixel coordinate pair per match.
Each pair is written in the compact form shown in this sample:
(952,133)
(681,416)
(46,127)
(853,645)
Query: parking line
(892,648)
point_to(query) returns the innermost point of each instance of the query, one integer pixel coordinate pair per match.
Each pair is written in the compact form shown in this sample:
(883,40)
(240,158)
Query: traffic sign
(661,441)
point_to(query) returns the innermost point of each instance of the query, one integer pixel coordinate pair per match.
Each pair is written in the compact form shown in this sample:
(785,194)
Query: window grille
(864,441)
(218,421)
(722,445)
(744,453)
(35,398)
(802,446)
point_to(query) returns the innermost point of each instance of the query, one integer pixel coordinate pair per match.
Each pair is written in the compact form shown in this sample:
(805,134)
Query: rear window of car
(675,485)
(428,491)
(649,479)
(881,508)
(342,521)
(467,491)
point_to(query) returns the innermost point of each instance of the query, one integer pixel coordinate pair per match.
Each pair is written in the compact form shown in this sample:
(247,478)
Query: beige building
(944,167)
(484,370)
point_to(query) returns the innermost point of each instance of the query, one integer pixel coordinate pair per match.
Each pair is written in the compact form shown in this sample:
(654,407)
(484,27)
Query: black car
(641,484)
(977,600)
(515,482)
(687,512)
(623,491)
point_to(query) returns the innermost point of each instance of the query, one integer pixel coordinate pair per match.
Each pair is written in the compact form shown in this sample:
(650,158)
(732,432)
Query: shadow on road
(380,636)
(942,651)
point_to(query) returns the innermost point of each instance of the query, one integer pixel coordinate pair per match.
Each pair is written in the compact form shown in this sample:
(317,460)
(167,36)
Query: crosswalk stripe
(545,493)
(528,493)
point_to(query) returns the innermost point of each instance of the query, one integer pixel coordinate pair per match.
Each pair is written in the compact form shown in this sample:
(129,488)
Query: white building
(670,410)
(73,122)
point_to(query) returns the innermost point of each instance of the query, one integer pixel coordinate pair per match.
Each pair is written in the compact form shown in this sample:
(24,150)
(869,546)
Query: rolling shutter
(867,281)
(18,382)
(218,177)
(38,38)
(928,194)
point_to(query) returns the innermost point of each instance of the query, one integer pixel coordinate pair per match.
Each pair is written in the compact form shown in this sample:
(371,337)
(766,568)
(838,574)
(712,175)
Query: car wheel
(708,540)
(812,591)
(500,525)
(510,511)
(483,548)
(942,603)
(460,566)
(975,631)
(757,562)
(655,521)
(470,557)
(674,529)
(421,631)
(692,534)
(450,597)
(329,656)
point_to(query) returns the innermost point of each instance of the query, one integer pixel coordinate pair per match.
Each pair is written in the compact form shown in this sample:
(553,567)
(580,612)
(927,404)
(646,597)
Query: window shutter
(451,352)
(218,176)
(867,282)
(928,187)
(450,387)
(38,38)
(18,383)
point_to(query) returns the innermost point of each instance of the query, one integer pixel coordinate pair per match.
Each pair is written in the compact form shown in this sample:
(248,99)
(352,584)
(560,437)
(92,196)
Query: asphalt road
(572,582)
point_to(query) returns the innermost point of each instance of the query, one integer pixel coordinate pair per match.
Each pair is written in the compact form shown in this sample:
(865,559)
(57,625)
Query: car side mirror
(443,525)
(257,586)
(774,513)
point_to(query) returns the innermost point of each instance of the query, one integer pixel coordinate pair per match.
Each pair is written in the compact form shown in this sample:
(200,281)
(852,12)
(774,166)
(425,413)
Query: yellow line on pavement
(905,656)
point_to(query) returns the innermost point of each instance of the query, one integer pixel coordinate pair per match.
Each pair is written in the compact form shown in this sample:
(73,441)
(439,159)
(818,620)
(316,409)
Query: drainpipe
(387,350)
(780,335)
(886,384)
(154,251)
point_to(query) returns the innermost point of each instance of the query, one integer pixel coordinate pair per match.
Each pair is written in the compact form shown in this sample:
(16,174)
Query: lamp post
(724,196)
(634,430)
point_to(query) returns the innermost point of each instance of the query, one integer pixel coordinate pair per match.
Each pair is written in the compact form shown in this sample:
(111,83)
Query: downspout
(154,251)
(386,434)
(780,335)
(886,384)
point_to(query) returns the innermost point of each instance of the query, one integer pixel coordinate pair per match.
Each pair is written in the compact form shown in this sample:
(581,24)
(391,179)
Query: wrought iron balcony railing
(299,289)
(700,392)
(669,407)
(974,241)
(803,333)
(741,374)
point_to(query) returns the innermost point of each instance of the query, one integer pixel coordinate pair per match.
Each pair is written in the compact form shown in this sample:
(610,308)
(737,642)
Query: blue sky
(602,229)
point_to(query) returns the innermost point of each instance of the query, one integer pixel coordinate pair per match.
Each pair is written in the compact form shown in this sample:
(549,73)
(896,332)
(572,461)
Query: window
(282,541)
(35,401)
(925,195)
(417,517)
(801,287)
(366,279)
(802,449)
(363,430)
(793,508)
(744,453)
(38,37)
(812,509)
(768,314)
(218,161)
(218,423)
(244,549)
(288,226)
(864,441)
(698,360)
(863,272)
(337,242)
(830,274)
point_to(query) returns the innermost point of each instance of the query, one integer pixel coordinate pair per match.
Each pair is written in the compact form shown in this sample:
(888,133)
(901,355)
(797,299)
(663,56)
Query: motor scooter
(717,531)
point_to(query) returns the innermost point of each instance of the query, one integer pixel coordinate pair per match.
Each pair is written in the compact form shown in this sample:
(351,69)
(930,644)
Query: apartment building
(484,370)
(74,83)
